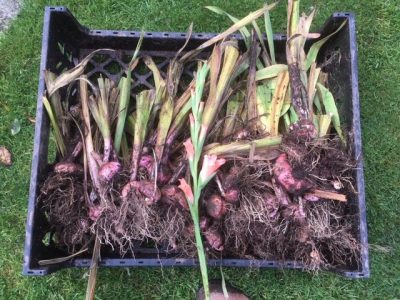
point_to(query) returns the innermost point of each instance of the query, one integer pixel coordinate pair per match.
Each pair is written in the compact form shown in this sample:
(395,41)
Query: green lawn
(379,59)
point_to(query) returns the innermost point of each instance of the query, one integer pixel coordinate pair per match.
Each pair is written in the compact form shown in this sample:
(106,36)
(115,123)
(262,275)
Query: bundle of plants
(247,159)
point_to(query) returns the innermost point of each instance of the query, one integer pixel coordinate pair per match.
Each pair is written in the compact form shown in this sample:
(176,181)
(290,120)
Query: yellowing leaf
(270,71)
(277,101)
(324,123)
(330,108)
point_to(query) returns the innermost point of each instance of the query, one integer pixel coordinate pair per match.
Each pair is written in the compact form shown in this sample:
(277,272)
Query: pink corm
(187,190)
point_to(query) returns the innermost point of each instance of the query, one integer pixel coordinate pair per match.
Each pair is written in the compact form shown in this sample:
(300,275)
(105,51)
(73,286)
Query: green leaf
(232,111)
(130,124)
(331,109)
(124,96)
(293,17)
(264,98)
(317,104)
(313,52)
(270,36)
(123,104)
(293,115)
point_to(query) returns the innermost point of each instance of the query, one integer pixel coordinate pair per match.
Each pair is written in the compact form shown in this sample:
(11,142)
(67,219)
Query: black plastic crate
(65,42)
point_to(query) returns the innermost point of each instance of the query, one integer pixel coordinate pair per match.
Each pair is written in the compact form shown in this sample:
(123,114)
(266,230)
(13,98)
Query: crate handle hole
(183,34)
(30,272)
(178,262)
(115,32)
(149,34)
(121,262)
(52,8)
(199,35)
(132,33)
(140,262)
(98,31)
(166,34)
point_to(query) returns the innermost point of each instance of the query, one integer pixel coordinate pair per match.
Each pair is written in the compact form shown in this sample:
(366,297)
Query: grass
(378,34)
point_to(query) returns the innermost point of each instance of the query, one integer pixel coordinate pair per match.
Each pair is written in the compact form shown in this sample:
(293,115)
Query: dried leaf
(90,291)
(264,53)
(5,156)
(328,195)
(235,27)
(70,75)
(211,107)
(45,262)
(154,69)
(243,147)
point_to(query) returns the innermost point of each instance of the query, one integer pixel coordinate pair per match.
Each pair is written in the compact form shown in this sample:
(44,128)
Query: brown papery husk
(61,198)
